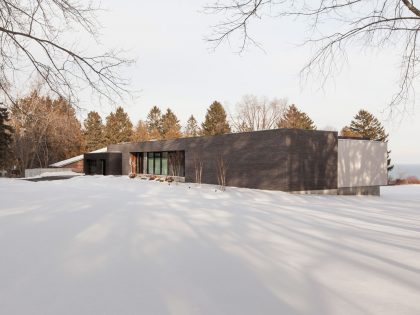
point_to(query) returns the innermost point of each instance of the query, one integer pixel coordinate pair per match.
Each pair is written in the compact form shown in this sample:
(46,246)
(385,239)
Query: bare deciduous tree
(132,162)
(198,168)
(221,170)
(46,131)
(372,24)
(34,40)
(253,113)
(140,132)
(176,162)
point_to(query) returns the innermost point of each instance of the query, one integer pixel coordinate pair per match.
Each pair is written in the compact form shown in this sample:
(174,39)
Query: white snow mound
(111,245)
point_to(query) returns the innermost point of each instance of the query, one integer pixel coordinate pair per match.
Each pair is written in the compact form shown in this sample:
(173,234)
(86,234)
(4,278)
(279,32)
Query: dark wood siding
(113,163)
(281,159)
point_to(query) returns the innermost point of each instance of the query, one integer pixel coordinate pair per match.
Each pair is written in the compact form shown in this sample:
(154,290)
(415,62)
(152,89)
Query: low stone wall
(33,172)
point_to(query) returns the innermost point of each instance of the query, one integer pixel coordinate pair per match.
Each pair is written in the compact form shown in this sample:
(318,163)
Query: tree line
(158,125)
(39,130)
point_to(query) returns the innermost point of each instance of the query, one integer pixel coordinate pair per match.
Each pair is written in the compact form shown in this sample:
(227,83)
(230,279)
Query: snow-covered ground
(109,245)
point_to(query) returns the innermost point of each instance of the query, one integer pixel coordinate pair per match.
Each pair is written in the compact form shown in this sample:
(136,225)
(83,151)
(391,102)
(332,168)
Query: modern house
(292,160)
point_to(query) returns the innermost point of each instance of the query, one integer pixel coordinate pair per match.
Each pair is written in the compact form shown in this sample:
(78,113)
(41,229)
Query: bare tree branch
(371,24)
(411,7)
(253,113)
(32,44)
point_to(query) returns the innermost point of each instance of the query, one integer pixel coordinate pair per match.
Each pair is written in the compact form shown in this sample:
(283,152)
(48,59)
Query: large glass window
(150,163)
(145,163)
(164,163)
(158,163)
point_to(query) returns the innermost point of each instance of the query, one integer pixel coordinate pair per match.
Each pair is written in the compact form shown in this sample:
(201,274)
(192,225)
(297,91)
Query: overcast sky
(176,68)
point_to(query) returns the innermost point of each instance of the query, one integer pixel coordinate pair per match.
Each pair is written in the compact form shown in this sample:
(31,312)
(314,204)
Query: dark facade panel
(103,163)
(281,159)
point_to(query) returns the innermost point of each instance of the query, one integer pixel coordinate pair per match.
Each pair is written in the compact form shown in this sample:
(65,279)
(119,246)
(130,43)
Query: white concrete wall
(361,163)
(33,172)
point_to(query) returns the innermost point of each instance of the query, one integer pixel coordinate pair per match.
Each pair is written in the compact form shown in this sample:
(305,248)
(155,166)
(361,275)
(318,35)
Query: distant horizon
(406,170)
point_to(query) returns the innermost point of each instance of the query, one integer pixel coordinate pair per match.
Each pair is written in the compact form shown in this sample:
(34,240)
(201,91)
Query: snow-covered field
(109,245)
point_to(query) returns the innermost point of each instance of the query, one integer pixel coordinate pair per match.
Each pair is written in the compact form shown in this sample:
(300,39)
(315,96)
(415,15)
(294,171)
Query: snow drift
(109,245)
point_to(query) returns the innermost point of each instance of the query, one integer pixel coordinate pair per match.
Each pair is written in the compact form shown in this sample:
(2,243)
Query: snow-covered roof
(75,159)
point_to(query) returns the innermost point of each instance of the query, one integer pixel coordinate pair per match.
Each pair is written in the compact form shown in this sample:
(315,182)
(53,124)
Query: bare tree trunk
(175,160)
(198,167)
(221,170)
(132,162)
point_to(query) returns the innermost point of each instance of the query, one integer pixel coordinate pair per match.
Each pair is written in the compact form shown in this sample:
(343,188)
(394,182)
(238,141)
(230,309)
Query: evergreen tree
(154,123)
(140,132)
(368,126)
(6,132)
(347,132)
(171,128)
(93,131)
(192,129)
(118,127)
(215,122)
(294,118)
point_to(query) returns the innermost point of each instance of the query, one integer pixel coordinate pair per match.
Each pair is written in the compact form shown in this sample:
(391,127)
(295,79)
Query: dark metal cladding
(103,163)
(280,159)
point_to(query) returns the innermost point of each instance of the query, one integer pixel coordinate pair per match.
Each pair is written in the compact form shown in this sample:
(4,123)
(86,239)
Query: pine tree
(171,129)
(192,129)
(294,118)
(215,122)
(368,126)
(347,132)
(118,127)
(93,131)
(154,123)
(140,132)
(6,132)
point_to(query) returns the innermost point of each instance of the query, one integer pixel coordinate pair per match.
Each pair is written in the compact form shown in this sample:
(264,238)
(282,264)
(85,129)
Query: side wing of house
(362,166)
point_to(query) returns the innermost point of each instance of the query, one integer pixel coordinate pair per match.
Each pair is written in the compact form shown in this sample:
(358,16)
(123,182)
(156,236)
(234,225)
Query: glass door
(139,163)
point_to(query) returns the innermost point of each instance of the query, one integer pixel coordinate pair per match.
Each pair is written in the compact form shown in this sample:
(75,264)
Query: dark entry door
(91,167)
(139,163)
(103,167)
